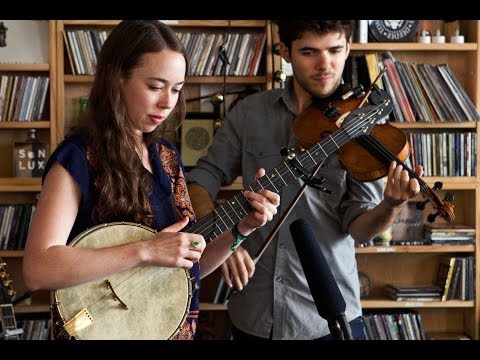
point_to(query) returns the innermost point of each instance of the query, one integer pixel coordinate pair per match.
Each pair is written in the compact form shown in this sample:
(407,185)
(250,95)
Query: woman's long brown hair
(123,186)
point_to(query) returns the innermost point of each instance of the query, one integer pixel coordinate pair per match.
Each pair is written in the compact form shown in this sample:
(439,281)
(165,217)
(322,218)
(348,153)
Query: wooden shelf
(435,125)
(230,79)
(24,67)
(28,309)
(92,22)
(446,336)
(192,23)
(24,125)
(391,304)
(87,79)
(414,47)
(453,183)
(20,185)
(11,253)
(416,249)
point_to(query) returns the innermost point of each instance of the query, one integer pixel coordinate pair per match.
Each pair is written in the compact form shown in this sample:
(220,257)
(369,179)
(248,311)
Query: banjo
(152,302)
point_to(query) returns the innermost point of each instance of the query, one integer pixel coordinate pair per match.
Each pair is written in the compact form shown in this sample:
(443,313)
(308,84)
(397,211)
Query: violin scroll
(443,207)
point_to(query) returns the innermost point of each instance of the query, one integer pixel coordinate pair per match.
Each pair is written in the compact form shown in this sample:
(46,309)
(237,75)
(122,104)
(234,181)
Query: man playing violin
(277,303)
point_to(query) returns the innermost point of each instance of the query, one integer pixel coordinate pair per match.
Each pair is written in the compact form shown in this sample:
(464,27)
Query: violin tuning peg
(431,217)
(421,205)
(438,185)
(331,112)
(448,197)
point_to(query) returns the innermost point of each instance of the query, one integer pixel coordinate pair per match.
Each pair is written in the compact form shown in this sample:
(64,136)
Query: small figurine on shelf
(457,38)
(29,156)
(424,37)
(438,38)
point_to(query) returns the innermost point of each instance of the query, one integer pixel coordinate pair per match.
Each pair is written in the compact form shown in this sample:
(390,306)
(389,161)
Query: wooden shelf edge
(92,22)
(11,253)
(28,309)
(434,335)
(435,125)
(453,182)
(391,304)
(415,249)
(24,67)
(413,47)
(230,79)
(82,79)
(86,79)
(24,124)
(193,23)
(20,185)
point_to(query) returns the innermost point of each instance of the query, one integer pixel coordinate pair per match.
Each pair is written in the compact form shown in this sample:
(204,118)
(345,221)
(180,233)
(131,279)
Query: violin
(366,157)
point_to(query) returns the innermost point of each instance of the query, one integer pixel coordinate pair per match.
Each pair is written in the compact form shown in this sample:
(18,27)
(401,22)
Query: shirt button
(279,279)
(282,246)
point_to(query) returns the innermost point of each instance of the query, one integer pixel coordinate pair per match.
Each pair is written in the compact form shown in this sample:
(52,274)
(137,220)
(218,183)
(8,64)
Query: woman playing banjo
(120,171)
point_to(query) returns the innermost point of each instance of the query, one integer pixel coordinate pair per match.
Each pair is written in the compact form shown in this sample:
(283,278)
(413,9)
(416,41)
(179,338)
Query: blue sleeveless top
(169,199)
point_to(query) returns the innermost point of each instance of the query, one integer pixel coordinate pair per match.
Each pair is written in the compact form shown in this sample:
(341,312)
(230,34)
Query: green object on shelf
(82,102)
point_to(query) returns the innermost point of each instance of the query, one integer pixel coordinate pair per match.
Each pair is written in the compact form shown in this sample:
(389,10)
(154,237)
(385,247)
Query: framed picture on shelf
(29,157)
(196,137)
(24,42)
(393,30)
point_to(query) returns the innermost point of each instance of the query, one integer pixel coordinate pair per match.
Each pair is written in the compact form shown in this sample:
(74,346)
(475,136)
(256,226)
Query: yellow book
(373,70)
(444,274)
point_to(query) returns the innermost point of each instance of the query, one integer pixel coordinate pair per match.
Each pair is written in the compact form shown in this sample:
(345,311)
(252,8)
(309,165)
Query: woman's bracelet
(237,237)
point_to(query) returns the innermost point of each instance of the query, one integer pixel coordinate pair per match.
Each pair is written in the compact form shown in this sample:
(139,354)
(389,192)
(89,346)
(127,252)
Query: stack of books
(449,234)
(414,293)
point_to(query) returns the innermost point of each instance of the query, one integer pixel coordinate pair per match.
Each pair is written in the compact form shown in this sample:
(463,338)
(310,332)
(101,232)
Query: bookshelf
(409,265)
(71,87)
(33,46)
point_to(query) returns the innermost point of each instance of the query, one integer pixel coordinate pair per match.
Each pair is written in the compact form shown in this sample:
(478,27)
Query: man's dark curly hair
(291,29)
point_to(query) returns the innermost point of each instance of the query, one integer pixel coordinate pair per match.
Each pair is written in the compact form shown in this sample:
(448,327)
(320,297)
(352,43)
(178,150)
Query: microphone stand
(278,225)
(335,330)
(340,328)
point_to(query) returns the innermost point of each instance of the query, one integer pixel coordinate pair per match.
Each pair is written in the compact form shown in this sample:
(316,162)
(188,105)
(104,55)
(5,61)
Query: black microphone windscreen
(325,292)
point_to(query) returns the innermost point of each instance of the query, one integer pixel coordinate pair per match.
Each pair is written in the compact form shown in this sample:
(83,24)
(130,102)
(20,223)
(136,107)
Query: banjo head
(140,303)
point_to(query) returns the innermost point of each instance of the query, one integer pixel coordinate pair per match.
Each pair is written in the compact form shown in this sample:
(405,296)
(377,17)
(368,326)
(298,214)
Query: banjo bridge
(115,296)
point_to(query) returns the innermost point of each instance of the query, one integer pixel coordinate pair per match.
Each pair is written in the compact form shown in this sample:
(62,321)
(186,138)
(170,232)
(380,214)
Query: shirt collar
(286,95)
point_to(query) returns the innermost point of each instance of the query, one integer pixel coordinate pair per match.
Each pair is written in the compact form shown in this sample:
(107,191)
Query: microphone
(325,292)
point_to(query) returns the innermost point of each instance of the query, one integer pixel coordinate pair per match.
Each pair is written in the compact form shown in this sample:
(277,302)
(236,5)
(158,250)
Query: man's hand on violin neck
(400,187)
